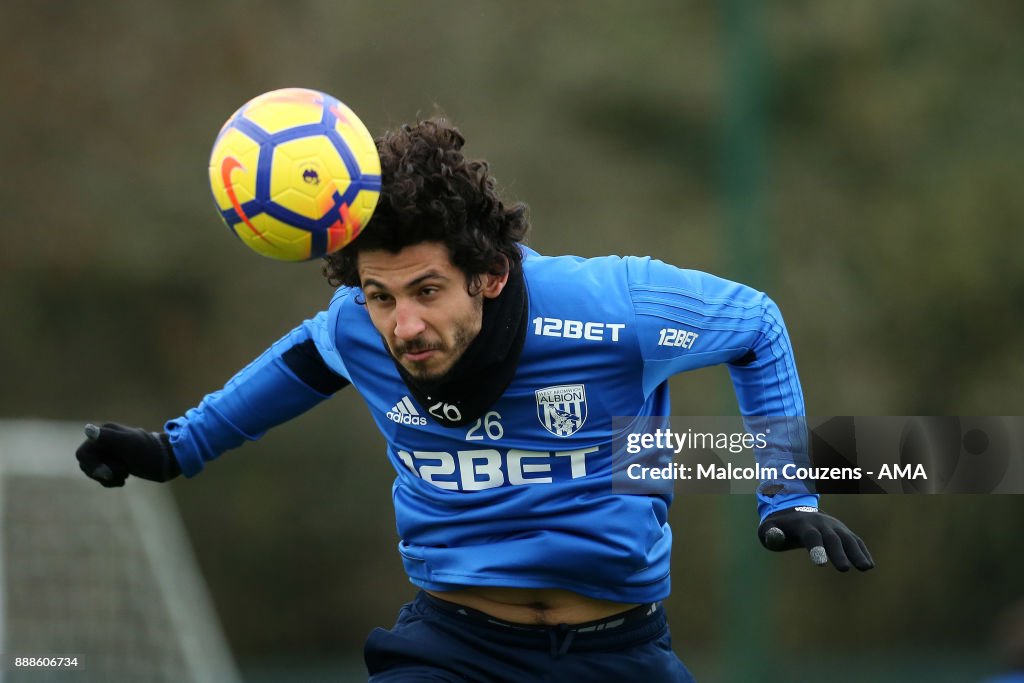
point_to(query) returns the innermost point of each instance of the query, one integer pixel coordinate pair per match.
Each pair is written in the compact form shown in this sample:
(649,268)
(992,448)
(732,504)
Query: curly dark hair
(431,192)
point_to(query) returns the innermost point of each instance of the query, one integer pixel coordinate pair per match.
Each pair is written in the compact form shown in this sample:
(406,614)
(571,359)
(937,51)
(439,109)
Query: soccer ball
(295,174)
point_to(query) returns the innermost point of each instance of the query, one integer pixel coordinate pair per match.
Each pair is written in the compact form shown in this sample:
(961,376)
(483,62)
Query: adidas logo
(405,413)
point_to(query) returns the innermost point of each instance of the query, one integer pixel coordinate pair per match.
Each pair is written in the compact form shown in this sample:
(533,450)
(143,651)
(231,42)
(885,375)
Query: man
(493,373)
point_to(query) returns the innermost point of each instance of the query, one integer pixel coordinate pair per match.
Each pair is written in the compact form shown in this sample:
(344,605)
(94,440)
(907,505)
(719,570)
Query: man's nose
(408,323)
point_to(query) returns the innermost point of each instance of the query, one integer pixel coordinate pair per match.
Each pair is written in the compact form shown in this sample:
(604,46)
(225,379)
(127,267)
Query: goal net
(105,577)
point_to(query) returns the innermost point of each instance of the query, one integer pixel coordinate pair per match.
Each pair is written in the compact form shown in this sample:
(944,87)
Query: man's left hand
(825,537)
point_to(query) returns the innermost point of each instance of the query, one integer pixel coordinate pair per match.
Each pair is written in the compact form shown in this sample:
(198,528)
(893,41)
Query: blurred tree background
(893,216)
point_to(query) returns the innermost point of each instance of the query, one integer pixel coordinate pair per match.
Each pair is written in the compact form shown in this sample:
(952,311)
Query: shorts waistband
(635,625)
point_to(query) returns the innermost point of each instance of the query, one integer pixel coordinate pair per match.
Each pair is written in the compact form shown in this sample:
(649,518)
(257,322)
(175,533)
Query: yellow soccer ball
(295,174)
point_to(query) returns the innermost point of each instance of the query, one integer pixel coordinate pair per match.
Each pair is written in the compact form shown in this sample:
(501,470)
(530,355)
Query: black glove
(825,537)
(111,452)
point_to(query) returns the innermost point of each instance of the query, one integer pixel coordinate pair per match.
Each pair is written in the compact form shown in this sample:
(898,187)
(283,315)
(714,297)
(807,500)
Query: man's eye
(429,291)
(380,298)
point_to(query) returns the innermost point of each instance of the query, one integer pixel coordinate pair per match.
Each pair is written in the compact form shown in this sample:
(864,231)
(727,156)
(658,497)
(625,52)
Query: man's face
(419,304)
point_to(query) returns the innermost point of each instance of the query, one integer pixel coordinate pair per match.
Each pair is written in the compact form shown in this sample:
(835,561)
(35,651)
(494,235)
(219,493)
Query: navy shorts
(436,640)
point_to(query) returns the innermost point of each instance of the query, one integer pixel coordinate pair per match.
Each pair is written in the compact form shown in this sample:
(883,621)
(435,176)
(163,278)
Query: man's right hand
(112,452)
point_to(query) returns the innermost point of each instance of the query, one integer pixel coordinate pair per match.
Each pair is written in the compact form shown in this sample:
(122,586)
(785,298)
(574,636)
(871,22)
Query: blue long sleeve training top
(523,497)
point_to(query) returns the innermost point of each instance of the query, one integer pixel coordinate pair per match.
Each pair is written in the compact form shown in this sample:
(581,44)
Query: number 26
(492,427)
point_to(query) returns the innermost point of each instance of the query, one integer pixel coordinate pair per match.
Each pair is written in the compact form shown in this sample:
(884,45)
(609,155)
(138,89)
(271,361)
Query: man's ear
(492,284)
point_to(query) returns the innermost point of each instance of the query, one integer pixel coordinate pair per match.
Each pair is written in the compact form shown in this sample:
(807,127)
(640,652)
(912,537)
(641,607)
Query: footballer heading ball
(295,174)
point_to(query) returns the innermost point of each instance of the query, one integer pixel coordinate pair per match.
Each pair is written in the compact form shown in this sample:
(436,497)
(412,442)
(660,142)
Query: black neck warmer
(486,368)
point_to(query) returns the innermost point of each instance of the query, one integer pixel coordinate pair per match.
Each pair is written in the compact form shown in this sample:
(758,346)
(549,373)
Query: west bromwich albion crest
(562,409)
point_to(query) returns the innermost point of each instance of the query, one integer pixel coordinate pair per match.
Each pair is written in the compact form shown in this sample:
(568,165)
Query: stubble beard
(421,370)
